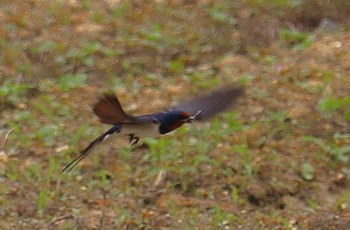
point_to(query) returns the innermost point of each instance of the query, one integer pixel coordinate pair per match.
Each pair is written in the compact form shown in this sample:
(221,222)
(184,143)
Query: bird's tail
(91,146)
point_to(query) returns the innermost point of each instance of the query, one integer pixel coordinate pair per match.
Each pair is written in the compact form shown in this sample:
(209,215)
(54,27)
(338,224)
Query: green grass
(295,39)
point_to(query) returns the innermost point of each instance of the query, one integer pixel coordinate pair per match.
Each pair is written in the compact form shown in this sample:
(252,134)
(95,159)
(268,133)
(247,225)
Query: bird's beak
(189,120)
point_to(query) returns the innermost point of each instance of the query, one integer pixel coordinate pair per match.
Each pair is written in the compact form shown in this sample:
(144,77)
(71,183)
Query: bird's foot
(134,138)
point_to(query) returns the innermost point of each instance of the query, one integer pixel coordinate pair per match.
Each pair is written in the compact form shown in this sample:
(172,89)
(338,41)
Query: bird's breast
(142,131)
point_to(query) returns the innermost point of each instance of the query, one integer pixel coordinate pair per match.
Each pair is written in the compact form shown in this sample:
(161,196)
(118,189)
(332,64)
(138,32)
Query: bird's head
(173,120)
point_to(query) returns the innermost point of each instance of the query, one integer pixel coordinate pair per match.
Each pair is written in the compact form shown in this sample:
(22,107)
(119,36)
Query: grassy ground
(279,160)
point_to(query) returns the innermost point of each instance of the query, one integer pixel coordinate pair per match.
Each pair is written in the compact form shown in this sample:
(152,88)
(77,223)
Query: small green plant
(279,124)
(218,14)
(337,152)
(153,34)
(125,216)
(44,108)
(343,201)
(47,134)
(97,17)
(23,139)
(203,78)
(12,92)
(280,116)
(307,171)
(234,194)
(333,105)
(222,219)
(243,151)
(78,134)
(47,46)
(52,168)
(12,173)
(83,55)
(42,200)
(295,39)
(176,65)
(312,203)
(104,177)
(71,81)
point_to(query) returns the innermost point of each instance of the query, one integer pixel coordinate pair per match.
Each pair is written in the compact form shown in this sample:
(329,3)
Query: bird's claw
(132,137)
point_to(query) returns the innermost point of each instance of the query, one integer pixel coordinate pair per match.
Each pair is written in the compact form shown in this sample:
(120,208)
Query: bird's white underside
(141,131)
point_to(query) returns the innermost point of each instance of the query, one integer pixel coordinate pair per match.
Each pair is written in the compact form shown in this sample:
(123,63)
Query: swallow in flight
(110,112)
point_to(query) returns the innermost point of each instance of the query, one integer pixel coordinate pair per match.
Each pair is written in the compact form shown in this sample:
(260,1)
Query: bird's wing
(109,110)
(210,104)
(149,118)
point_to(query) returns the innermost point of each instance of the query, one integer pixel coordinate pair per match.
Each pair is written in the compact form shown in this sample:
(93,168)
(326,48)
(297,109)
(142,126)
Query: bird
(109,111)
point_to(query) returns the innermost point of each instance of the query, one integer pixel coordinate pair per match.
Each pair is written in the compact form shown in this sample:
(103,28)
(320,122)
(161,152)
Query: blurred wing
(209,105)
(109,110)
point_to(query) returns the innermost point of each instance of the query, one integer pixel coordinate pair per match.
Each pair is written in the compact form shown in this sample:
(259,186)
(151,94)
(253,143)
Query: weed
(176,66)
(279,124)
(218,13)
(78,134)
(52,168)
(23,138)
(337,152)
(243,151)
(42,199)
(204,78)
(44,108)
(13,93)
(46,134)
(307,171)
(342,202)
(104,177)
(234,194)
(70,81)
(222,219)
(297,40)
(332,105)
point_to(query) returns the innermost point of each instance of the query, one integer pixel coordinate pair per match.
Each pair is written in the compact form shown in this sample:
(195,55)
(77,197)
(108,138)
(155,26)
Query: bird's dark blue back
(168,121)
